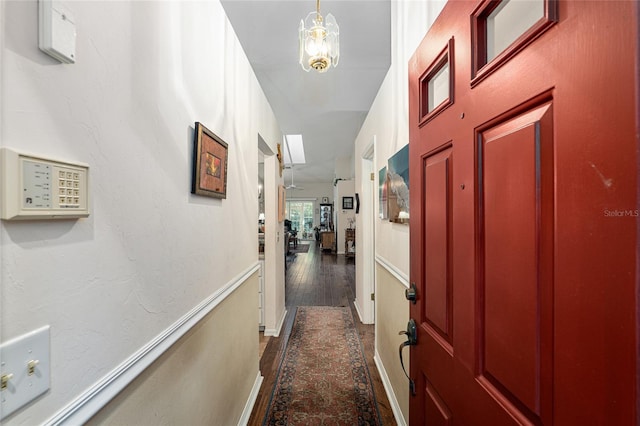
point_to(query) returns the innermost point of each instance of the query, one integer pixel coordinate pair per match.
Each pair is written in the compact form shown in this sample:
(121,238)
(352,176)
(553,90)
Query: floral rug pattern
(323,378)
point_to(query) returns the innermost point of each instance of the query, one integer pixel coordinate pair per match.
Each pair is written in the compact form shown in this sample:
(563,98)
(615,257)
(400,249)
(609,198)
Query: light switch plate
(15,356)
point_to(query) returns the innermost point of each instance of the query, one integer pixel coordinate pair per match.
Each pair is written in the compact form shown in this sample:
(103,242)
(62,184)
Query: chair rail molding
(393,270)
(87,404)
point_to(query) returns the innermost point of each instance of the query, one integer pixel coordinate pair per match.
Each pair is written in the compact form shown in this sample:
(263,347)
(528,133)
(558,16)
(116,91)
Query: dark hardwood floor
(317,278)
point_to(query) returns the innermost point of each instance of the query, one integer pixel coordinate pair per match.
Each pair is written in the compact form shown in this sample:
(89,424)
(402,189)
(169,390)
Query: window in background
(300,213)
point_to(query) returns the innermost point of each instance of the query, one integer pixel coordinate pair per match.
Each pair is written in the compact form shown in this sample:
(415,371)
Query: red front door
(524,215)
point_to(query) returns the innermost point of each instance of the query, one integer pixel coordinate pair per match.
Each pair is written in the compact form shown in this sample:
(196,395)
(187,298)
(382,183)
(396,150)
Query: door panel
(437,279)
(516,287)
(523,249)
(436,409)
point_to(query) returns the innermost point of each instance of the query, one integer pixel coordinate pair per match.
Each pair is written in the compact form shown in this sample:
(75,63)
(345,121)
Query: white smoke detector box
(56,31)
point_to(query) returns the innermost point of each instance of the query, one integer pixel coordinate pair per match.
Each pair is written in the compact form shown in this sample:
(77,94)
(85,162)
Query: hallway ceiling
(327,109)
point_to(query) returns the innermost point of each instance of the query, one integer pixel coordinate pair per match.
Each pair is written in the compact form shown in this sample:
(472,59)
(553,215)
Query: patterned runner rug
(323,378)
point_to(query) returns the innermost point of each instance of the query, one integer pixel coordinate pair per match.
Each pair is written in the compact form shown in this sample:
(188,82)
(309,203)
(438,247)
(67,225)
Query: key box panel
(42,188)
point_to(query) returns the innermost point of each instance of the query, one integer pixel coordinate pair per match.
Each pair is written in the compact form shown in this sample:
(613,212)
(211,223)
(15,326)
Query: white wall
(387,123)
(343,168)
(309,190)
(150,251)
(274,251)
(388,116)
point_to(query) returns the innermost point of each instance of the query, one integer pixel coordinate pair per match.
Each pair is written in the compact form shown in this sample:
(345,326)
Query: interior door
(524,204)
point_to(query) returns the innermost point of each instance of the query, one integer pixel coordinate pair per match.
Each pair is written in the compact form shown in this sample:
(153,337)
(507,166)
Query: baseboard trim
(398,274)
(355,304)
(253,396)
(87,404)
(275,332)
(391,395)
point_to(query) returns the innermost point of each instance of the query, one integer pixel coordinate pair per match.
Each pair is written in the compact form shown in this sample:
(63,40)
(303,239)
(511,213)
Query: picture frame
(347,203)
(210,158)
(398,186)
(382,193)
(282,201)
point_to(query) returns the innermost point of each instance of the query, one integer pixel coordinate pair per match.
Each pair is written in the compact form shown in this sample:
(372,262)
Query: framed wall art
(398,186)
(383,211)
(282,202)
(347,203)
(209,164)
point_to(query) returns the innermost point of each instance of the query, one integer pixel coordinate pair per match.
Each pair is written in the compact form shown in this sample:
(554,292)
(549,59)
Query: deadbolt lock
(411,293)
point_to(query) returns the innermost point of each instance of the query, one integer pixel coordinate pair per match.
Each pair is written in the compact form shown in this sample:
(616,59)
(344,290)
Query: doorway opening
(365,271)
(300,213)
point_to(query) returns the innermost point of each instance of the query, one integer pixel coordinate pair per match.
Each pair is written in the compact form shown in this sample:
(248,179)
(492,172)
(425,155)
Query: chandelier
(319,41)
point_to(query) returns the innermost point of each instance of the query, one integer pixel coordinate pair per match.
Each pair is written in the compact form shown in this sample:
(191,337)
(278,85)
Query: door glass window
(509,21)
(439,87)
(501,29)
(300,213)
(436,85)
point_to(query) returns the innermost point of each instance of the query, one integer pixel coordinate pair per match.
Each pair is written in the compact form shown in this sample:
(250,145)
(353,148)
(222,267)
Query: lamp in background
(319,41)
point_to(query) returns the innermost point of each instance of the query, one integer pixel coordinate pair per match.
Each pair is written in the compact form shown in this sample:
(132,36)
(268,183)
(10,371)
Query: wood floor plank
(317,278)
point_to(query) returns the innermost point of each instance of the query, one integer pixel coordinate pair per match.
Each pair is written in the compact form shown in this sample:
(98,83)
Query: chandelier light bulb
(315,44)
